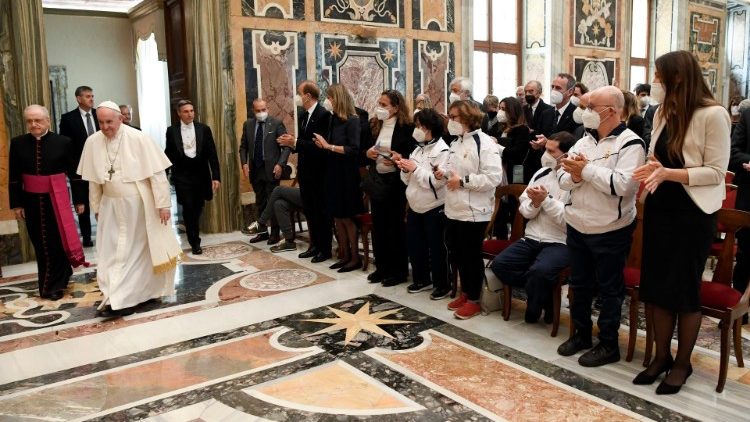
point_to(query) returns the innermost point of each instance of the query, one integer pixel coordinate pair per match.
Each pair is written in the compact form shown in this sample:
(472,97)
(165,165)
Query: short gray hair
(463,82)
(37,107)
(490,101)
(744,105)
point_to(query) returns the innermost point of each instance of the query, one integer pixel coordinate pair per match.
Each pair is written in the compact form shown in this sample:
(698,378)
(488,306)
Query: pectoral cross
(111,171)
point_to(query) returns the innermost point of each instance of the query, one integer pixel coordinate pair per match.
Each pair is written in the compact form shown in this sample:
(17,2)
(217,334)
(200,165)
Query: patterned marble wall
(706,40)
(433,70)
(371,12)
(739,47)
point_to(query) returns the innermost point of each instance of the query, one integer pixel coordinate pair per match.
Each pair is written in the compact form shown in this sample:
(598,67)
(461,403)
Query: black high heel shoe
(665,388)
(350,267)
(338,264)
(644,378)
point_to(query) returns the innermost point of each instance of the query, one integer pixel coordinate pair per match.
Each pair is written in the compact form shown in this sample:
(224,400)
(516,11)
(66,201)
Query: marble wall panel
(279,9)
(371,12)
(536,23)
(275,62)
(705,40)
(433,15)
(663,27)
(595,23)
(5,213)
(535,65)
(365,66)
(740,33)
(593,72)
(434,68)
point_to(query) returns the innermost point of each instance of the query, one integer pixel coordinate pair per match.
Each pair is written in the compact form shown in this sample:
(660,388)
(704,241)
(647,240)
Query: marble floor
(252,335)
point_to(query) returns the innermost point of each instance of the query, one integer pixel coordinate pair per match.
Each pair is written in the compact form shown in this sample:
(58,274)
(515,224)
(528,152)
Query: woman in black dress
(684,182)
(343,196)
(631,115)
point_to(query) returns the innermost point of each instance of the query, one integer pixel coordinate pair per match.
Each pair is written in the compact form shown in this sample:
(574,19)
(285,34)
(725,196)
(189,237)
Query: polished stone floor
(252,335)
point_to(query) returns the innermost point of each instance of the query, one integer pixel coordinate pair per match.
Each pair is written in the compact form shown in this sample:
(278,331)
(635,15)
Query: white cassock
(136,254)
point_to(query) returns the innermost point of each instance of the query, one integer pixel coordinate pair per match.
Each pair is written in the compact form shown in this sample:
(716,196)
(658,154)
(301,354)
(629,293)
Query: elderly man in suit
(78,124)
(195,168)
(263,161)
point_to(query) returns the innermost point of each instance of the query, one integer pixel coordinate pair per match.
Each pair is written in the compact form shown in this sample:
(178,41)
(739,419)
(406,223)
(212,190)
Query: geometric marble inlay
(223,251)
(335,388)
(595,23)
(358,321)
(210,410)
(278,280)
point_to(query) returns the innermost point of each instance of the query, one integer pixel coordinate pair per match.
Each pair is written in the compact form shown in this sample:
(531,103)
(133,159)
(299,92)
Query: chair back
(729,177)
(731,221)
(636,248)
(517,226)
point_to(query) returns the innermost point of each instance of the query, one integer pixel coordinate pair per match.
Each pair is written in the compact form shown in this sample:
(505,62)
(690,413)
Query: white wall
(98,52)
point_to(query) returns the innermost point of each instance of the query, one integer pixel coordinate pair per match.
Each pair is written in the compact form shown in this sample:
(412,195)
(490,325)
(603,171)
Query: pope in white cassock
(137,249)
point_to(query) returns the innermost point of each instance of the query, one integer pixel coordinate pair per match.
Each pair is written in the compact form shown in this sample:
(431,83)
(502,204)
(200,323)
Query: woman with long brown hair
(684,183)
(343,196)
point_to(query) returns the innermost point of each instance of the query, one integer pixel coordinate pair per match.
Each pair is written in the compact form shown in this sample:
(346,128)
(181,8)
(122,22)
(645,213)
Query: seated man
(281,203)
(535,260)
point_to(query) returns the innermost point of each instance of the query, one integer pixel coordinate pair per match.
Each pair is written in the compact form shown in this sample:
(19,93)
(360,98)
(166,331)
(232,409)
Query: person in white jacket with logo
(425,221)
(598,172)
(473,171)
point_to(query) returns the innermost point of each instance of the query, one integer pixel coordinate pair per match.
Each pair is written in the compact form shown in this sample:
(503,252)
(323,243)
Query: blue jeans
(533,265)
(597,260)
(427,253)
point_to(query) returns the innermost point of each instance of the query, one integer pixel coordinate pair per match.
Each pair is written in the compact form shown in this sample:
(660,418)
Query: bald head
(36,118)
(611,95)
(608,102)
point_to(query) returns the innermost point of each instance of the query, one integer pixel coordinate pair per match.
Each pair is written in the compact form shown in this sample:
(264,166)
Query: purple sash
(57,188)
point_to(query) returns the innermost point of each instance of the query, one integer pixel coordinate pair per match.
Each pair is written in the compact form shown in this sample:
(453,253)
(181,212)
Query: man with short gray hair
(127,115)
(460,89)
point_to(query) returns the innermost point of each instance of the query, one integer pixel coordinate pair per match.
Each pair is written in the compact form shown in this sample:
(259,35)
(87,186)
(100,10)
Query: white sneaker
(253,228)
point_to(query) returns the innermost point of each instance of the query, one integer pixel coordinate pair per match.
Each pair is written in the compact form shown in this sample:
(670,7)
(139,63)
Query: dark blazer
(402,140)
(542,120)
(273,153)
(740,151)
(311,159)
(566,123)
(202,169)
(365,136)
(638,124)
(71,125)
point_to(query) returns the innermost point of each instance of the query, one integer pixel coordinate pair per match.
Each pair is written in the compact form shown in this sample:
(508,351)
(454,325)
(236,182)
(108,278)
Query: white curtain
(153,91)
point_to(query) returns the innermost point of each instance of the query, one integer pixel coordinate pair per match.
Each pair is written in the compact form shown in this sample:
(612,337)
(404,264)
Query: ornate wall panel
(593,72)
(274,64)
(370,12)
(279,9)
(596,23)
(433,15)
(434,68)
(365,66)
(536,23)
(58,79)
(706,40)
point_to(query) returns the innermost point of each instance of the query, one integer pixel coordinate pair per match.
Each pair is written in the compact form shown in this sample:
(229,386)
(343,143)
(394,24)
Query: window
(497,47)
(639,48)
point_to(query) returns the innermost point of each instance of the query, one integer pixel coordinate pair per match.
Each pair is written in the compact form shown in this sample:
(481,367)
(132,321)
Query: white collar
(563,108)
(186,126)
(312,107)
(43,135)
(83,113)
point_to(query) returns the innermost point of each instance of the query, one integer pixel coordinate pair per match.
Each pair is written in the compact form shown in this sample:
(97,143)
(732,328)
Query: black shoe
(350,267)
(320,257)
(273,240)
(125,311)
(311,252)
(54,296)
(259,238)
(284,246)
(665,388)
(418,287)
(440,293)
(644,378)
(338,264)
(87,243)
(601,354)
(393,281)
(375,277)
(532,314)
(108,312)
(197,250)
(574,344)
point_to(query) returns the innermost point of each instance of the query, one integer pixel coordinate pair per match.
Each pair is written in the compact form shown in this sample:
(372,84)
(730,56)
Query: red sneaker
(470,309)
(457,302)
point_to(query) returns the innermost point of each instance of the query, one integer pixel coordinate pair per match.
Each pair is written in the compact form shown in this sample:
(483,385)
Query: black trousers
(389,230)
(319,223)
(84,219)
(191,198)
(463,239)
(741,273)
(262,187)
(51,260)
(426,239)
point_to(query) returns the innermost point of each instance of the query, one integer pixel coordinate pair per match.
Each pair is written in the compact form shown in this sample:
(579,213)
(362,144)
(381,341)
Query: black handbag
(374,185)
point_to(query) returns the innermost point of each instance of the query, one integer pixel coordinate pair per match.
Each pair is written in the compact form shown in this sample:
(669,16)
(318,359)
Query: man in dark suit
(78,124)
(534,110)
(195,168)
(562,91)
(127,115)
(313,118)
(263,161)
(739,162)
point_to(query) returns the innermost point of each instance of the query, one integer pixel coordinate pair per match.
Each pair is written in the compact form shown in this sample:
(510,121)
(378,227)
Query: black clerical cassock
(30,160)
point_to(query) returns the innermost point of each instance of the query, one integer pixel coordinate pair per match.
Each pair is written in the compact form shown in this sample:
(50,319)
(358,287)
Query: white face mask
(555,97)
(657,92)
(548,160)
(453,97)
(575,101)
(455,128)
(644,101)
(381,113)
(418,135)
(262,116)
(327,104)
(578,115)
(298,100)
(735,110)
(591,119)
(501,116)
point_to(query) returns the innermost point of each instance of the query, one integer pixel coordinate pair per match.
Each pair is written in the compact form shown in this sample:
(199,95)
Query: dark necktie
(305,118)
(89,125)
(258,150)
(557,121)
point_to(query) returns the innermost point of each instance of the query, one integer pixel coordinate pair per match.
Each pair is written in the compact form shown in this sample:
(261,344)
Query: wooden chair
(719,299)
(729,202)
(632,276)
(364,221)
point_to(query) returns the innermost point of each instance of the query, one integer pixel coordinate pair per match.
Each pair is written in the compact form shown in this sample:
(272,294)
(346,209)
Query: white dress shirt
(188,139)
(83,117)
